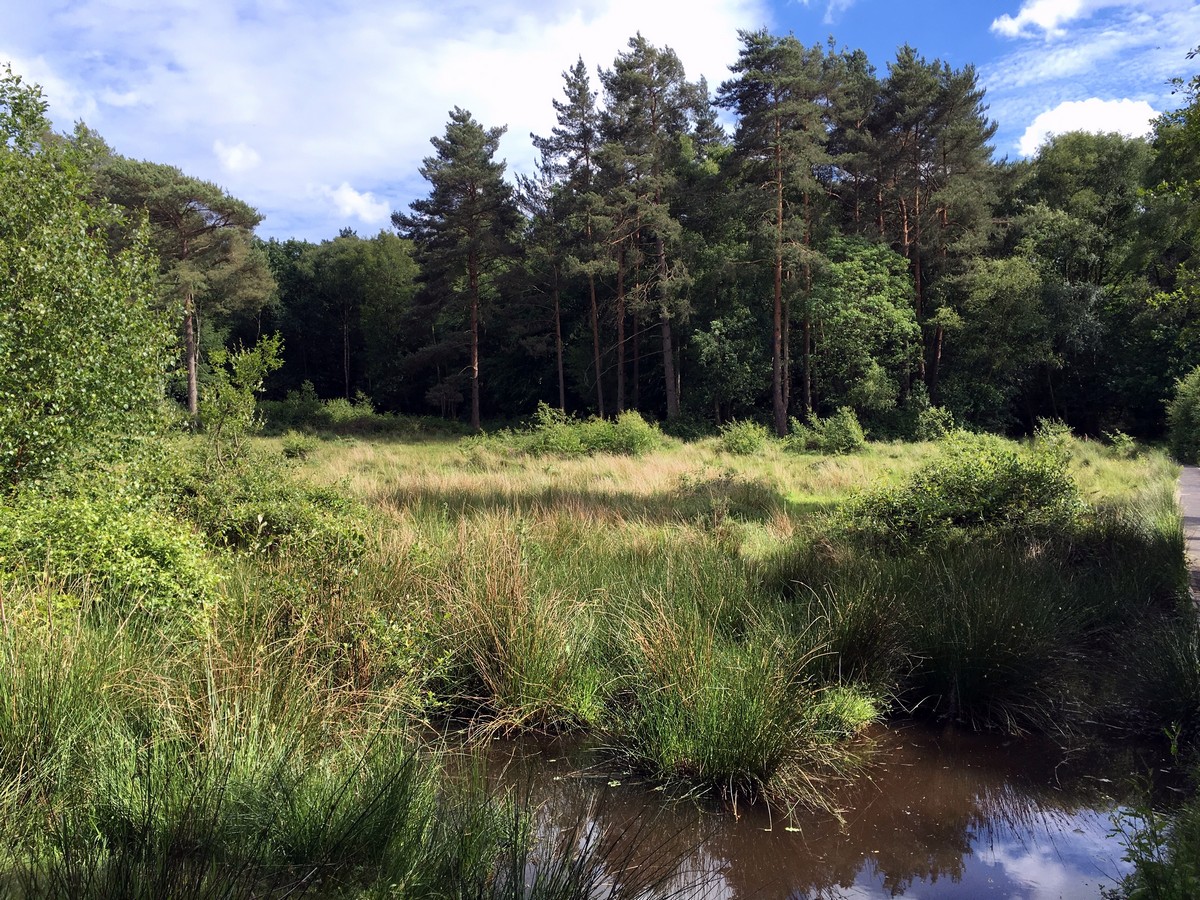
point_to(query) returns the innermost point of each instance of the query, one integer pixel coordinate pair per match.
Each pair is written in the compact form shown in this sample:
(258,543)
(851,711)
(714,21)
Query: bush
(256,504)
(634,436)
(838,433)
(975,481)
(297,445)
(743,438)
(556,433)
(1122,445)
(1183,419)
(934,423)
(125,554)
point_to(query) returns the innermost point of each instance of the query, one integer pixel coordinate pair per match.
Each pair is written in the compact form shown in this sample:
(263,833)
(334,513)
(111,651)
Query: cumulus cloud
(338,93)
(359,205)
(1047,15)
(1132,118)
(1125,50)
(238,158)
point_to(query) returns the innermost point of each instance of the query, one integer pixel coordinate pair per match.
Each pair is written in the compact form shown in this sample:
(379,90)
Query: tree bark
(780,406)
(596,346)
(558,345)
(620,331)
(669,382)
(473,272)
(191,352)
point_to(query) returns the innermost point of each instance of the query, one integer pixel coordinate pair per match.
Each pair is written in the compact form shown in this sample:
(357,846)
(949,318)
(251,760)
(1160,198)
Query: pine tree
(779,96)
(201,234)
(935,191)
(462,229)
(650,115)
(568,171)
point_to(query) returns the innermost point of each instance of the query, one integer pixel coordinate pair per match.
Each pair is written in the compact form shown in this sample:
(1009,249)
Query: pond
(934,813)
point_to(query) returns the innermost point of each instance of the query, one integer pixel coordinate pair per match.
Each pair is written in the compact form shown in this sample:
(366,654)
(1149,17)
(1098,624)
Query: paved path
(1189,502)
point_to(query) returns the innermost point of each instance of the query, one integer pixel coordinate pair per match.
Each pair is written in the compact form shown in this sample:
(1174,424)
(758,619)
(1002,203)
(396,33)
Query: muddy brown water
(935,813)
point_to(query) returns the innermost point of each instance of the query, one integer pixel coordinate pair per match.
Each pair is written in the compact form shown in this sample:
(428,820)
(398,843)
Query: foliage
(837,433)
(297,445)
(82,355)
(107,548)
(554,433)
(863,308)
(203,239)
(227,408)
(1183,419)
(975,481)
(934,423)
(743,438)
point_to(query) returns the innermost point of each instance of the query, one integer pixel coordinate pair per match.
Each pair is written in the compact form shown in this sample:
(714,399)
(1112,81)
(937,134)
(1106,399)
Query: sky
(319,112)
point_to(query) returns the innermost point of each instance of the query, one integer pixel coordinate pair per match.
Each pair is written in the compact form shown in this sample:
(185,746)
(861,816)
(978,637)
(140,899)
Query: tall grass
(713,618)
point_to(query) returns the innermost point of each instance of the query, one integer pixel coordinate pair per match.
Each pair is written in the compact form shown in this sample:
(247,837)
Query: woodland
(752,424)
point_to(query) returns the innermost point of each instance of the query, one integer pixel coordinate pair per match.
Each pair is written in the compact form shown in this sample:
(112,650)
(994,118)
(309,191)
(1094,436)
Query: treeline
(852,243)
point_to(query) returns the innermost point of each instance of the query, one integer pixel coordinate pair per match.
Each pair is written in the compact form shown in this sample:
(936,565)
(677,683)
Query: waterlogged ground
(936,813)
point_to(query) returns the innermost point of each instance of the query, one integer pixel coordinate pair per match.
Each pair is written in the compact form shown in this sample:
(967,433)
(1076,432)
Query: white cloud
(69,102)
(1128,50)
(1048,15)
(362,206)
(1132,118)
(337,93)
(236,159)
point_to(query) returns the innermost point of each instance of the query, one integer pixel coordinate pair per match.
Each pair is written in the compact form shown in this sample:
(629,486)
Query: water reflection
(937,814)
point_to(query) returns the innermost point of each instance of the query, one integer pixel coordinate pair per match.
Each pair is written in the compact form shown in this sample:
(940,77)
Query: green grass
(719,622)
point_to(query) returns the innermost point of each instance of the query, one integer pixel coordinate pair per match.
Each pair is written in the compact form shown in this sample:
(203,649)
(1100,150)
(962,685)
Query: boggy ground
(721,623)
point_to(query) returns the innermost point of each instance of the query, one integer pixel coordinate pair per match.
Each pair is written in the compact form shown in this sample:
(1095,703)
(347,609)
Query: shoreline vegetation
(241,702)
(223,655)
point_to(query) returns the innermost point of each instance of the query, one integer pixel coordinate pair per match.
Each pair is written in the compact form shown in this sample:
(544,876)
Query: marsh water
(934,813)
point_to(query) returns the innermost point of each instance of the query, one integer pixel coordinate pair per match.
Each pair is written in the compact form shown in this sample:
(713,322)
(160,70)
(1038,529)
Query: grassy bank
(245,700)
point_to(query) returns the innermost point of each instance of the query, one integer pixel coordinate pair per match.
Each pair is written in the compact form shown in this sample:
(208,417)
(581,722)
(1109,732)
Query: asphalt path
(1189,502)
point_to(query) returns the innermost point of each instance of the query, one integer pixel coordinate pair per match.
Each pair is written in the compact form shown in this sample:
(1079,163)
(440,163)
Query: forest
(758,441)
(852,241)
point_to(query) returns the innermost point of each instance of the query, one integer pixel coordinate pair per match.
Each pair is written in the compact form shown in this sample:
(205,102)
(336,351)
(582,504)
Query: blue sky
(319,113)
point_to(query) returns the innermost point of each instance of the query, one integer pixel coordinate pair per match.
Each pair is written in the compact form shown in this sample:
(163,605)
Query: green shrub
(122,552)
(838,433)
(1122,445)
(83,348)
(556,433)
(743,438)
(297,445)
(633,436)
(975,481)
(934,423)
(1183,419)
(258,504)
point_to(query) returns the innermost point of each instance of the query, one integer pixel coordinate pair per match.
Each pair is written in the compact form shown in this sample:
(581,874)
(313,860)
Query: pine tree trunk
(938,337)
(637,362)
(620,331)
(558,346)
(596,347)
(346,352)
(669,382)
(780,407)
(191,352)
(474,286)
